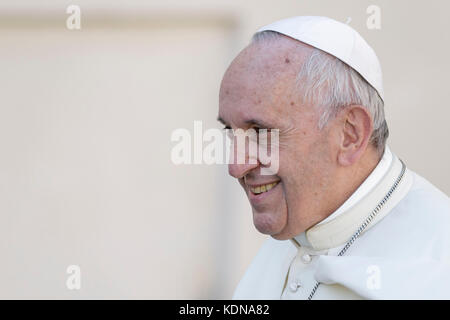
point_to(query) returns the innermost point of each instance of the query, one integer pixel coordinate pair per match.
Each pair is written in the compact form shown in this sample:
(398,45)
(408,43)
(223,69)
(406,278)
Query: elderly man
(346,218)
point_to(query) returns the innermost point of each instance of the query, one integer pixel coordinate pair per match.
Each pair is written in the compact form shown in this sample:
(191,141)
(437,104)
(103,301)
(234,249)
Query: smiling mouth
(263,188)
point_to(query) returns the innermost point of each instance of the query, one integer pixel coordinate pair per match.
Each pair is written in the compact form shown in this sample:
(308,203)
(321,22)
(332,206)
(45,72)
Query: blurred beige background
(85,123)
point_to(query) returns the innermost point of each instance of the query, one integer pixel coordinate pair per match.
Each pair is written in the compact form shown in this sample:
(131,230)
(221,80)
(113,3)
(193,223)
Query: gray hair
(331,84)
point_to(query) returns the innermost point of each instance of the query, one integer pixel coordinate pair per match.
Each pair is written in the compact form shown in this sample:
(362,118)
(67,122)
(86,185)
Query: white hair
(330,84)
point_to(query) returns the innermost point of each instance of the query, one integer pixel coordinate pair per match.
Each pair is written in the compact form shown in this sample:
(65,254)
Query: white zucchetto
(337,39)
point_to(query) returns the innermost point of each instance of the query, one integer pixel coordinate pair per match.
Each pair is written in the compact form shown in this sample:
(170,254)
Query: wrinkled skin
(318,169)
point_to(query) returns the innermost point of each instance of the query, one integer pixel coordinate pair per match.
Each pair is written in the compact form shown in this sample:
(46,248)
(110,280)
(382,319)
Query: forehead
(260,82)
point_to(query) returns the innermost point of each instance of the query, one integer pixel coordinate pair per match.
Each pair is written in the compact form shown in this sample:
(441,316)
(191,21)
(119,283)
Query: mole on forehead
(266,71)
(281,66)
(269,54)
(259,86)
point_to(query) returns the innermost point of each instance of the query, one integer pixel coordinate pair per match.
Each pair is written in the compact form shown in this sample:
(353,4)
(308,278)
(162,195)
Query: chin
(281,236)
(268,223)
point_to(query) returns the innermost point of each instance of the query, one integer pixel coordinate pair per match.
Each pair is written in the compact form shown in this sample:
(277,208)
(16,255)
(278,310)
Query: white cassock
(402,253)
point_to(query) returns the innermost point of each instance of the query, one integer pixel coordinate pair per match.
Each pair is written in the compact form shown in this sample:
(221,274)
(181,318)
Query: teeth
(263,188)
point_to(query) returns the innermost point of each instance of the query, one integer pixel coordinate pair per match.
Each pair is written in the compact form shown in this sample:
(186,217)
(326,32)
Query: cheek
(301,171)
(292,169)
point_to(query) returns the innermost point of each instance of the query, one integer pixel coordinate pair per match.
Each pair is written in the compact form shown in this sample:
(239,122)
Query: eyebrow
(256,122)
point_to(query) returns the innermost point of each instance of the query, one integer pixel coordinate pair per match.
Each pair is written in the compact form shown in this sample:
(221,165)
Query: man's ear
(356,127)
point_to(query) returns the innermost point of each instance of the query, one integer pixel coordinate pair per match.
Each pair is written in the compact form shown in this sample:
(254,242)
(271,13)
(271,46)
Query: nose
(242,161)
(240,170)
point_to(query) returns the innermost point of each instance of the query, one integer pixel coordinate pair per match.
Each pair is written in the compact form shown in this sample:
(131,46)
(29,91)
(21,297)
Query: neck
(375,196)
(348,179)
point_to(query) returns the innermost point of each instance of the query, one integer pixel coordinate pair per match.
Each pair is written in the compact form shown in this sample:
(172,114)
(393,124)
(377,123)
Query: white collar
(338,227)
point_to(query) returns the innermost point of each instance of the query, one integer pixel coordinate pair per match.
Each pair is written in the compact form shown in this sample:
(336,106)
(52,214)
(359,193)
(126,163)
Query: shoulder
(423,187)
(417,225)
(426,203)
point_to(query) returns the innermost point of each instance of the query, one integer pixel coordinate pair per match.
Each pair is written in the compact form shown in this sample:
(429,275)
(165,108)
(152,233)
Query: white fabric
(337,39)
(408,251)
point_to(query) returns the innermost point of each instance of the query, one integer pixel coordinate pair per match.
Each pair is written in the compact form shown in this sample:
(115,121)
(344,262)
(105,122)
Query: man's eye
(261,130)
(256,129)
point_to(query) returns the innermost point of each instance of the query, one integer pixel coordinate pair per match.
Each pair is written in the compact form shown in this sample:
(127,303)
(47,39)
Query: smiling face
(257,90)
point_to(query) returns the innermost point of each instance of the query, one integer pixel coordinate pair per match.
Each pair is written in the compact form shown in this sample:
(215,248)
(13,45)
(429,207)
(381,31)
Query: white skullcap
(337,39)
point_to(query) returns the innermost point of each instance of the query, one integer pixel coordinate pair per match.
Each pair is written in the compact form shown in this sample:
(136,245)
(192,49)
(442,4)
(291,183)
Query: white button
(306,258)
(294,286)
